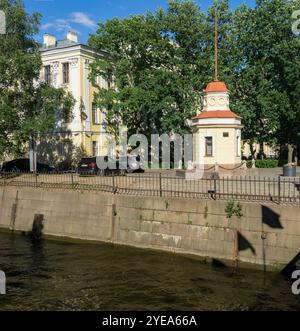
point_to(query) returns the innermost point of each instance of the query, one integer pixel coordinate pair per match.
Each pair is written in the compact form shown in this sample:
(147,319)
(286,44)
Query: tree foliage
(266,82)
(28,108)
(163,60)
(158,67)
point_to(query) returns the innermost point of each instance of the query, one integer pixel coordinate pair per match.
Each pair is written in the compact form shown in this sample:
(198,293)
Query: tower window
(238,146)
(208,146)
(225,134)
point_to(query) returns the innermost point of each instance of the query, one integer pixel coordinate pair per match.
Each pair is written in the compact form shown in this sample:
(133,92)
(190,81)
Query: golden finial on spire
(216,45)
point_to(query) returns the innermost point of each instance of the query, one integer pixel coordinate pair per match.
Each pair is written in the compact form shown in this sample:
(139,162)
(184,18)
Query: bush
(249,164)
(266,163)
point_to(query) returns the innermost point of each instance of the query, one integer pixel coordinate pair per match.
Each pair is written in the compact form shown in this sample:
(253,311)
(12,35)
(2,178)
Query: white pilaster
(86,96)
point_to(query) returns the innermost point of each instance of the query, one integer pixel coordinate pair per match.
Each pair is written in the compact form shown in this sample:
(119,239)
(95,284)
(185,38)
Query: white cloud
(59,25)
(62,24)
(83,19)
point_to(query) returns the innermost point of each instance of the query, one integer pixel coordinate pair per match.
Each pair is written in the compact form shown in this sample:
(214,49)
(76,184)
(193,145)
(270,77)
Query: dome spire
(216,46)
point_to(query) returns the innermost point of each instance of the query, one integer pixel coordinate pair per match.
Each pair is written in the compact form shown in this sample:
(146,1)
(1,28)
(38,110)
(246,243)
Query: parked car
(23,165)
(88,166)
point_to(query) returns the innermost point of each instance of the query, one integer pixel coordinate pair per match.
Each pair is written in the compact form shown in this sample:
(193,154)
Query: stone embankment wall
(266,234)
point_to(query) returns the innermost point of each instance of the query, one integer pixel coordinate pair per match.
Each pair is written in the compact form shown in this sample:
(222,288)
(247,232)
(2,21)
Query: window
(208,146)
(95,148)
(225,134)
(95,114)
(66,76)
(238,146)
(47,70)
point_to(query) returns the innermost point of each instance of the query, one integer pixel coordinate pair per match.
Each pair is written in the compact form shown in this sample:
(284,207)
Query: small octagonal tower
(216,129)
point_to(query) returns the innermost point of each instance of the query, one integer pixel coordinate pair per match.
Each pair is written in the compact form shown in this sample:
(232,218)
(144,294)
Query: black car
(23,165)
(88,166)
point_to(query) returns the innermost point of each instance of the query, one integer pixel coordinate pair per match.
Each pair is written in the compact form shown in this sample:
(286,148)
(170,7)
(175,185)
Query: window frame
(47,74)
(207,145)
(238,146)
(66,73)
(96,144)
(95,114)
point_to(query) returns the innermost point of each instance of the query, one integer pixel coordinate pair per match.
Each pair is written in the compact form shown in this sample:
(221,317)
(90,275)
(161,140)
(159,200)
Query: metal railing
(278,190)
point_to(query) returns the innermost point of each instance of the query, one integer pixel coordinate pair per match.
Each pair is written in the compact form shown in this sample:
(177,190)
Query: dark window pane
(208,146)
(66,73)
(47,74)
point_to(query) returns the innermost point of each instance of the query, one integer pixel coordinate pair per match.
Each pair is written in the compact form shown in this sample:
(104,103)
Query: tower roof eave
(217,114)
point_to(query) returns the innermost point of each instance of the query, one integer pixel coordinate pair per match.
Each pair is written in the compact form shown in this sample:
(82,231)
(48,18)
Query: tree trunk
(261,150)
(252,151)
(290,153)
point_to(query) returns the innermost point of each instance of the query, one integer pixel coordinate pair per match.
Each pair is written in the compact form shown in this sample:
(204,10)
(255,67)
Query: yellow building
(66,63)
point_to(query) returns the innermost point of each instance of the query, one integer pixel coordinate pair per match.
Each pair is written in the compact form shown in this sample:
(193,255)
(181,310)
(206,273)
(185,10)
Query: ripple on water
(67,276)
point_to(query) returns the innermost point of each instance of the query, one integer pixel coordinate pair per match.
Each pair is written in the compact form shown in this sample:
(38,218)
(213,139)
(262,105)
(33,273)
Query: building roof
(59,44)
(217,114)
(216,86)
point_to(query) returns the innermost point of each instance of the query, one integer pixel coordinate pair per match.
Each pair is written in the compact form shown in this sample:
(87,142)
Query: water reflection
(49,275)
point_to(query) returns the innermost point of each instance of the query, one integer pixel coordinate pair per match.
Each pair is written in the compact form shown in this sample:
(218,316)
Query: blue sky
(82,16)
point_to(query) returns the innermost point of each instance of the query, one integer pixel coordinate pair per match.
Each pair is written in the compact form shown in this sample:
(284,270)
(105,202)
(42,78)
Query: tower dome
(216,86)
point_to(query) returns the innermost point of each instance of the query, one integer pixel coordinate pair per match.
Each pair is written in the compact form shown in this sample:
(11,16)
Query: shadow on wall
(244,244)
(293,265)
(270,218)
(60,151)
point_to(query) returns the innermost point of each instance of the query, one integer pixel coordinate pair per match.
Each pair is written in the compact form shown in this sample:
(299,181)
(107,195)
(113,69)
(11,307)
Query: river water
(55,275)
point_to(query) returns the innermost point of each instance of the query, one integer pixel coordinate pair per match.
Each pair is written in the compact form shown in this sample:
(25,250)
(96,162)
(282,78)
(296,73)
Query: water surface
(54,275)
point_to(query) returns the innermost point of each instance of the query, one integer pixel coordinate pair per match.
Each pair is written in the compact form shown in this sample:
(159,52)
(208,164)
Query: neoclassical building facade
(66,63)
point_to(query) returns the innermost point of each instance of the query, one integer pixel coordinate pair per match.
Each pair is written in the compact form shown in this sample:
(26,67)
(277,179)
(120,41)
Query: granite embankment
(266,234)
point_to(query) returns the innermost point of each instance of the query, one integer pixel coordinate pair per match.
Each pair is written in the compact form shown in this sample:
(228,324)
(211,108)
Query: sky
(82,16)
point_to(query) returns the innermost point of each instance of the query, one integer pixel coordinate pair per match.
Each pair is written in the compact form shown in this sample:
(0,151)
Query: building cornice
(78,48)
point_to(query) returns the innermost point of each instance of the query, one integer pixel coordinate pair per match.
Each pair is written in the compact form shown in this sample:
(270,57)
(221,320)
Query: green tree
(158,65)
(163,60)
(265,82)
(28,108)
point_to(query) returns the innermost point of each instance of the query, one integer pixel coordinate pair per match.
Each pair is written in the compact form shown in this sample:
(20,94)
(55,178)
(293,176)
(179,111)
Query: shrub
(233,209)
(266,163)
(249,164)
